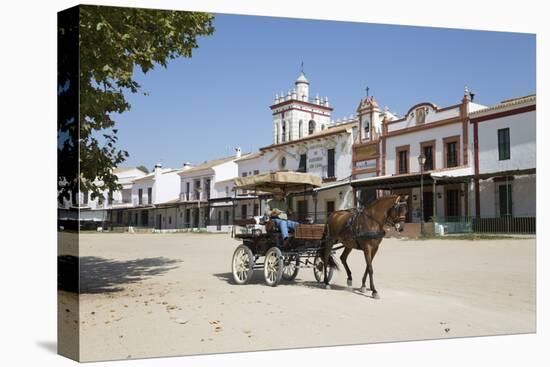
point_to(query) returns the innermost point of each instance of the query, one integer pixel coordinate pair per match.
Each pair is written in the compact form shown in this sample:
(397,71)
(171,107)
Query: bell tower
(296,115)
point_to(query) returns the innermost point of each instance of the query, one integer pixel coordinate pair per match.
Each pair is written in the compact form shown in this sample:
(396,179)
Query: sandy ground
(147,295)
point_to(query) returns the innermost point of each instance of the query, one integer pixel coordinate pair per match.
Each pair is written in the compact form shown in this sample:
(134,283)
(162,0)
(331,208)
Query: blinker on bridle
(397,206)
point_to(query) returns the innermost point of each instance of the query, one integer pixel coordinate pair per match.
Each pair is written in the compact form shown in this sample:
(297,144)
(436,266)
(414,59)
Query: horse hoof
(375,295)
(363,290)
(327,286)
(349,282)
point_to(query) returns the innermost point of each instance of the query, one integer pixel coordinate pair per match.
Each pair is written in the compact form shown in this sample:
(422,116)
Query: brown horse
(363,229)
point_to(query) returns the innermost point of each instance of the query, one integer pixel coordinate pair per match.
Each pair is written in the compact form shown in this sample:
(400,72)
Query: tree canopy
(112,42)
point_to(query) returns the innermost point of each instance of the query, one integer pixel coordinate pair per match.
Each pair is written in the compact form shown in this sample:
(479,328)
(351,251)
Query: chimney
(238,152)
(157,170)
(186,165)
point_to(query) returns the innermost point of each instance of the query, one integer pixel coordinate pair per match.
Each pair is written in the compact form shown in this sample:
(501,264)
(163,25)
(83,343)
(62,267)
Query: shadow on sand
(257,278)
(101,275)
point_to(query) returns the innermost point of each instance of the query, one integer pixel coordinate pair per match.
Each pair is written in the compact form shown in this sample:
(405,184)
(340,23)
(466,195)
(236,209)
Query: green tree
(112,42)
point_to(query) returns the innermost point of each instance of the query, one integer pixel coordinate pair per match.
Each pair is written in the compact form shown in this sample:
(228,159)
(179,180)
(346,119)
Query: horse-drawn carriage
(262,244)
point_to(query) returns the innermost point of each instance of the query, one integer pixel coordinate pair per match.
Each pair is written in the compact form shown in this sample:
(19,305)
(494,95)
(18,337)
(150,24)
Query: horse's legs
(326,256)
(369,253)
(363,286)
(344,258)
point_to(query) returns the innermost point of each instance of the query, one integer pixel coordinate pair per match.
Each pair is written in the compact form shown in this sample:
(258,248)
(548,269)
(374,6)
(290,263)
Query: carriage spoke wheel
(243,264)
(318,270)
(291,267)
(273,266)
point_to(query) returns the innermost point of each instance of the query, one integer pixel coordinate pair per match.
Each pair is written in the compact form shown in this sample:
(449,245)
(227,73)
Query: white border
(28,162)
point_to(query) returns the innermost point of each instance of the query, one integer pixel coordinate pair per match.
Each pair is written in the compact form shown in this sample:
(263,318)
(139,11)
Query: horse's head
(397,213)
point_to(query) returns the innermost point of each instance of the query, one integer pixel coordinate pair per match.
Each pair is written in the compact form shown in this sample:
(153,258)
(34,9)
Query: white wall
(523,197)
(522,143)
(414,139)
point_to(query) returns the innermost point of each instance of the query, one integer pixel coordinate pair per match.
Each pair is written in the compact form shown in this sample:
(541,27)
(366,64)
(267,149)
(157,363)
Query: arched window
(311,127)
(300,129)
(276,133)
(283,134)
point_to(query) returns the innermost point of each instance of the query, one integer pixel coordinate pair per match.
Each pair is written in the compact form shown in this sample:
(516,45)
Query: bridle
(401,217)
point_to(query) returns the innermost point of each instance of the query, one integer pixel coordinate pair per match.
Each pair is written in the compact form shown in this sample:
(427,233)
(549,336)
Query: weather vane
(302,68)
(367,90)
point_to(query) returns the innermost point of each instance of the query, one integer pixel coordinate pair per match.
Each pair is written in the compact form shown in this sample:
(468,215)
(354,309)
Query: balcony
(194,196)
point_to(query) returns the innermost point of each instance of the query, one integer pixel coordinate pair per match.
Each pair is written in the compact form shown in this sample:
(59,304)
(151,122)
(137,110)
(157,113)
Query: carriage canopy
(279,182)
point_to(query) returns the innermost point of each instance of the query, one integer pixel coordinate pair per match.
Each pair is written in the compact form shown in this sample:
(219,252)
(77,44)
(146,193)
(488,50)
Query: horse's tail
(332,263)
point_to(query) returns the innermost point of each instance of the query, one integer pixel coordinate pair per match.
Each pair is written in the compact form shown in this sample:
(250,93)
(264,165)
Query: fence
(519,225)
(512,225)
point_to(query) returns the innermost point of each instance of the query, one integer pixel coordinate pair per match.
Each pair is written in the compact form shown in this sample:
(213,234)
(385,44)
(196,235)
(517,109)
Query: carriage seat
(310,231)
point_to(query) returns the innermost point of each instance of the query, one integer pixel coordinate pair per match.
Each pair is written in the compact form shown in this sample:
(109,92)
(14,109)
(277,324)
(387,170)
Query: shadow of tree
(91,274)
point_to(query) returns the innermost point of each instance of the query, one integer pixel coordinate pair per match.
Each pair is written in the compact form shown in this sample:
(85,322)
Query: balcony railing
(194,196)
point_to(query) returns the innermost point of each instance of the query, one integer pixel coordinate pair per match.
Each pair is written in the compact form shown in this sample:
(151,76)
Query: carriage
(262,245)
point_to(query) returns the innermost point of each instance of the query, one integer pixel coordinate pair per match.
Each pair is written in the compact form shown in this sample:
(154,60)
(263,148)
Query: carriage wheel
(243,264)
(273,266)
(291,268)
(318,270)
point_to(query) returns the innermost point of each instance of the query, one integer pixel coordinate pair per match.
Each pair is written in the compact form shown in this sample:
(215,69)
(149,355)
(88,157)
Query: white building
(505,159)
(149,191)
(96,211)
(206,192)
(305,139)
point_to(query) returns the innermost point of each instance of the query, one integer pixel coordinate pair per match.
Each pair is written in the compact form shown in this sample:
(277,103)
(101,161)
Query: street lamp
(421,162)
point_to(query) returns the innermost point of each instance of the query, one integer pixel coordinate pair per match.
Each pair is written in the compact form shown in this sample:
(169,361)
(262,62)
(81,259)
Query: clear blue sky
(220,98)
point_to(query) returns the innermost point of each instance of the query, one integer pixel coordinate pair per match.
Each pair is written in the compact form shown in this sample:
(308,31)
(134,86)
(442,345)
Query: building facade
(461,166)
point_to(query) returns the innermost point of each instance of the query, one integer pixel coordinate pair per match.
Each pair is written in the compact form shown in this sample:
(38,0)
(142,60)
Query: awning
(280,182)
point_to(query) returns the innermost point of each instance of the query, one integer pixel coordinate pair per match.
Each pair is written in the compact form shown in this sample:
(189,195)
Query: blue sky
(200,108)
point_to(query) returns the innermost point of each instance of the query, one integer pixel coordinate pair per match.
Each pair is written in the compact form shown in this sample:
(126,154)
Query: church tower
(370,124)
(296,115)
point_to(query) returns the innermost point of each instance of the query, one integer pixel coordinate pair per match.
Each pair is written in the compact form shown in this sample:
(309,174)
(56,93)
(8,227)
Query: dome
(302,79)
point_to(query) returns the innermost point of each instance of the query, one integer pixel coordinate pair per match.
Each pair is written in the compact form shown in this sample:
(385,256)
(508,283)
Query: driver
(276,211)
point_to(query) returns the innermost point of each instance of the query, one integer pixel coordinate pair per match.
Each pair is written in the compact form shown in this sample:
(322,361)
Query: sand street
(171,294)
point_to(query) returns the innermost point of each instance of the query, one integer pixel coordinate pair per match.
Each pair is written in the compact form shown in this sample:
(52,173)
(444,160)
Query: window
(110,198)
(503,144)
(330,207)
(150,195)
(119,217)
(311,127)
(330,163)
(300,129)
(367,131)
(245,174)
(140,196)
(256,209)
(144,218)
(283,162)
(402,154)
(187,190)
(85,197)
(244,213)
(452,203)
(276,134)
(256,171)
(226,217)
(451,151)
(283,134)
(428,148)
(505,200)
(302,166)
(428,153)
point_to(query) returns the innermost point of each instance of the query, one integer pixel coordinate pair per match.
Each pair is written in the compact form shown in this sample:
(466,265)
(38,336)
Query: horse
(363,229)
